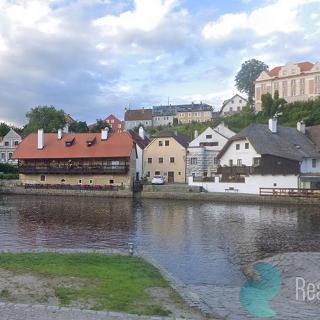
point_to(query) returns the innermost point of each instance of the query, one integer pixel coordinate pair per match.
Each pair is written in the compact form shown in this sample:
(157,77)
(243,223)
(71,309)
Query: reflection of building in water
(75,222)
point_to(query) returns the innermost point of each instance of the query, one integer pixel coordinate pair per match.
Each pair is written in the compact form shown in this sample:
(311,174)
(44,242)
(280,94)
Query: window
(314,163)
(6,143)
(302,86)
(63,180)
(179,173)
(90,181)
(80,181)
(10,155)
(3,156)
(160,143)
(189,114)
(276,86)
(239,162)
(160,160)
(209,144)
(193,160)
(172,160)
(42,178)
(317,84)
(209,136)
(284,88)
(148,174)
(181,115)
(246,146)
(237,146)
(232,101)
(149,160)
(16,143)
(157,173)
(230,162)
(166,143)
(293,87)
(111,181)
(198,114)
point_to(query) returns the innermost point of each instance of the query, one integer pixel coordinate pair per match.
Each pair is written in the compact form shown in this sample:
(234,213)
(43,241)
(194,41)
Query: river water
(199,242)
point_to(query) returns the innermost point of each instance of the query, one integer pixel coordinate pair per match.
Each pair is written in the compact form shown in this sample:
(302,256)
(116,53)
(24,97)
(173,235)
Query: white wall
(139,162)
(246,155)
(251,185)
(235,104)
(306,166)
(216,137)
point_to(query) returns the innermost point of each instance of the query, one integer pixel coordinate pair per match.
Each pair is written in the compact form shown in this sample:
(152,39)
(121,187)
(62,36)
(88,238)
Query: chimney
(141,132)
(196,134)
(301,126)
(40,139)
(104,133)
(273,125)
(59,134)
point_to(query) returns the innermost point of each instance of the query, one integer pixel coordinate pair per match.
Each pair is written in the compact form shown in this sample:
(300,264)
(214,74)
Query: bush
(8,168)
(9,176)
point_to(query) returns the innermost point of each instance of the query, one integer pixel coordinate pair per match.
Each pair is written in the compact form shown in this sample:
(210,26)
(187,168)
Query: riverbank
(172,192)
(91,281)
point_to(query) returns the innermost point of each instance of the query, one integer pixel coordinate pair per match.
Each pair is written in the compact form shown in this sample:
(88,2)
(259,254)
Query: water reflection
(199,242)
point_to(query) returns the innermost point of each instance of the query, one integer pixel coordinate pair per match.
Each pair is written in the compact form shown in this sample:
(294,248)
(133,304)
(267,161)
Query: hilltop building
(136,118)
(166,155)
(233,105)
(194,113)
(8,144)
(293,81)
(77,159)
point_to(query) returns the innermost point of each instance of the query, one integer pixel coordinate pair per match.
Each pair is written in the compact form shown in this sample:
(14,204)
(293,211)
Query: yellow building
(166,155)
(83,159)
(194,113)
(294,82)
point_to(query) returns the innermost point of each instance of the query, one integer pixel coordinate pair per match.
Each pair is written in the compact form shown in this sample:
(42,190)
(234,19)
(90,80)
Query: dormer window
(70,142)
(91,142)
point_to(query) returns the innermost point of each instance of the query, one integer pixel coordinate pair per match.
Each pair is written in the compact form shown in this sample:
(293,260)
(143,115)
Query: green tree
(100,124)
(267,105)
(48,118)
(78,127)
(249,72)
(4,129)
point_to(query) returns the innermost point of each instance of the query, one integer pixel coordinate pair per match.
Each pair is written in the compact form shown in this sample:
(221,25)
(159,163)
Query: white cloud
(279,16)
(146,16)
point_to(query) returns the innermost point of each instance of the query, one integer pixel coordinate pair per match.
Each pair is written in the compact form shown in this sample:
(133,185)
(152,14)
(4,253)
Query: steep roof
(314,134)
(117,145)
(304,66)
(287,143)
(180,138)
(140,114)
(142,143)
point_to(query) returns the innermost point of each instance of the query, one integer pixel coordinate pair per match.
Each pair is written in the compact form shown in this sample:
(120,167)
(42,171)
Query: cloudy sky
(95,57)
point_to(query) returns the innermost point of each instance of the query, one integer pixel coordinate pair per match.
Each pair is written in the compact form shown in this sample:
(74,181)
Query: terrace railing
(290,192)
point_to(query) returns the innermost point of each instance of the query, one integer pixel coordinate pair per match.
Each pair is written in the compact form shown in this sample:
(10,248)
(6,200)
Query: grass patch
(109,282)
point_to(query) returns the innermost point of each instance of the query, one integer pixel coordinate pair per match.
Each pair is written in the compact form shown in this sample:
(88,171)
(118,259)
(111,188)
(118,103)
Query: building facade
(194,113)
(77,159)
(114,123)
(136,118)
(233,105)
(202,153)
(164,115)
(263,156)
(166,155)
(294,82)
(8,144)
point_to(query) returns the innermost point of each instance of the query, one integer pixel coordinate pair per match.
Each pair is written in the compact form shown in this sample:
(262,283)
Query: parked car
(157,180)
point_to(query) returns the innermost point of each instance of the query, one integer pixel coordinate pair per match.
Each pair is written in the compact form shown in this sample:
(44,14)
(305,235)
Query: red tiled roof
(118,145)
(140,114)
(304,66)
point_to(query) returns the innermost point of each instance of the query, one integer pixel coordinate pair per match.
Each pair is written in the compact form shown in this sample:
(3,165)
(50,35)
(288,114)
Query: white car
(157,180)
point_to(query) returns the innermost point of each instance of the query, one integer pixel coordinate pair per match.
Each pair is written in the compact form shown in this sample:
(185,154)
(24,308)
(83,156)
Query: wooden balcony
(246,170)
(112,169)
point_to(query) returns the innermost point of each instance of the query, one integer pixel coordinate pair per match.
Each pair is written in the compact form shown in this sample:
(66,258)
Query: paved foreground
(10,311)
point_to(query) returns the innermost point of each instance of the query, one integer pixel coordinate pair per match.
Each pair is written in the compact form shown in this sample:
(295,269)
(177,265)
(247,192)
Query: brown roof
(314,134)
(142,143)
(140,114)
(118,145)
(304,66)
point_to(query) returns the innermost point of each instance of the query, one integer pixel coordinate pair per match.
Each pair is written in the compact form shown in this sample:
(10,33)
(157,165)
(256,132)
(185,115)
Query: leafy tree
(48,118)
(100,124)
(78,127)
(267,105)
(4,129)
(249,72)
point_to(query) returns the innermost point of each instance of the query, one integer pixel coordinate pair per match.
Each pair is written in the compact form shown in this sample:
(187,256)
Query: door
(171,177)
(137,176)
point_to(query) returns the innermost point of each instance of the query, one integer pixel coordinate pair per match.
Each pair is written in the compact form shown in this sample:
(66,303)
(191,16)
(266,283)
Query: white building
(8,144)
(233,105)
(203,150)
(141,141)
(262,156)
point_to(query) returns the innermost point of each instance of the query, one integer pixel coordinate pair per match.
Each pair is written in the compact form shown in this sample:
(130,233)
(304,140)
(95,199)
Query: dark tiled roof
(314,134)
(140,114)
(287,143)
(180,138)
(142,143)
